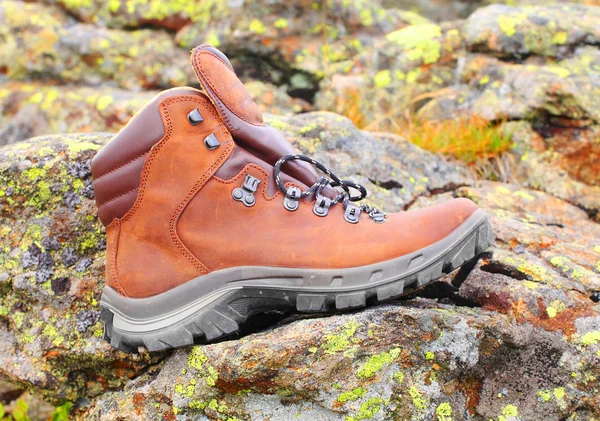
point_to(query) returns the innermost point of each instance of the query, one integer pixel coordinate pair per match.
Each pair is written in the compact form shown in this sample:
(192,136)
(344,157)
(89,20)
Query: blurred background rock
(496,101)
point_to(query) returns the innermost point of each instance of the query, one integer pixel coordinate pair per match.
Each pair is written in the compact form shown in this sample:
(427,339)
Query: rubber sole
(213,306)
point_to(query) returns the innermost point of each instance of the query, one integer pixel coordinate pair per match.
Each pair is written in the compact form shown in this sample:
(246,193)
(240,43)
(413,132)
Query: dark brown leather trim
(240,158)
(261,140)
(117,207)
(124,179)
(117,167)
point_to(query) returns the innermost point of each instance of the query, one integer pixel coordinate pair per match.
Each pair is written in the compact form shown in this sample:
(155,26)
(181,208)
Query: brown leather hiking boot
(204,231)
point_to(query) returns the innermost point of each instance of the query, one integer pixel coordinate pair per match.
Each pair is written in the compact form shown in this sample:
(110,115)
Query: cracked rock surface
(512,336)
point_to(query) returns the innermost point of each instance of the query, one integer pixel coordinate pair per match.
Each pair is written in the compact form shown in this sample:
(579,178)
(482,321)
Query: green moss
(257,27)
(52,333)
(560,38)
(509,411)
(35,173)
(341,342)
(419,41)
(508,25)
(89,241)
(352,395)
(417,398)
(187,390)
(376,363)
(103,102)
(591,338)
(213,39)
(77,147)
(444,412)
(558,71)
(429,355)
(367,410)
(382,79)
(559,392)
(196,358)
(545,395)
(199,405)
(281,23)
(18,318)
(398,376)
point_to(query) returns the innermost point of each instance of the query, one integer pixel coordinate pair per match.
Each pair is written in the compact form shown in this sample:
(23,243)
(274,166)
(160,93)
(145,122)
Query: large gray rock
(517,337)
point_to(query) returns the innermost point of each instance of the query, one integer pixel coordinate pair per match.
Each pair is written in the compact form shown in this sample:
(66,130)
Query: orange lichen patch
(427,336)
(471,387)
(139,400)
(540,317)
(500,302)
(563,321)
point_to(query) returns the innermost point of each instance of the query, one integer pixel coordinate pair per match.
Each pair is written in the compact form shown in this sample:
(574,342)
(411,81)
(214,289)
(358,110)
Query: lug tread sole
(223,318)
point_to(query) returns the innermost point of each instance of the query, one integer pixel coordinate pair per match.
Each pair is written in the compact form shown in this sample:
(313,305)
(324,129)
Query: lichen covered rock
(514,336)
(306,40)
(51,273)
(550,30)
(32,108)
(43,42)
(419,361)
(394,171)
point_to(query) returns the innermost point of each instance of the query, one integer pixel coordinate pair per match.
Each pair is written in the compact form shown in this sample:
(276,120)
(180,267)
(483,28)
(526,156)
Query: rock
(300,41)
(275,100)
(420,360)
(394,171)
(549,30)
(543,76)
(514,336)
(170,14)
(51,340)
(560,163)
(31,109)
(43,42)
(12,398)
(386,81)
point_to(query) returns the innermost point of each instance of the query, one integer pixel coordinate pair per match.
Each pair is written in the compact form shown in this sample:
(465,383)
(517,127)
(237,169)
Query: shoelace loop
(344,197)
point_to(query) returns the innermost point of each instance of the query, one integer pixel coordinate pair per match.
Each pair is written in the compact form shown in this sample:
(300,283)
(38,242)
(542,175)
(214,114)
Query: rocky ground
(514,336)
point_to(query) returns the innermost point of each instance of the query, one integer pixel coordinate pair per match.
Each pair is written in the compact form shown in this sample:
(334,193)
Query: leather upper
(180,220)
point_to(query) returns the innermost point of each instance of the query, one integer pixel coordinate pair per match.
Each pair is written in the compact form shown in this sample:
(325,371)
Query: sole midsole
(138,315)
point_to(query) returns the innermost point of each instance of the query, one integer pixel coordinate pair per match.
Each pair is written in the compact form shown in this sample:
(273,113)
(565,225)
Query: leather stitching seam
(207,81)
(116,198)
(113,260)
(176,215)
(120,166)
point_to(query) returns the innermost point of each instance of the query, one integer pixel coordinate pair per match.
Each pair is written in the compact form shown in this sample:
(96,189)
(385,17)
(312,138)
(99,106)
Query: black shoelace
(322,203)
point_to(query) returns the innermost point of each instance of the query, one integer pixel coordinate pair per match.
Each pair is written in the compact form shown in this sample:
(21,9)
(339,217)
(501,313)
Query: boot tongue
(241,114)
(226,91)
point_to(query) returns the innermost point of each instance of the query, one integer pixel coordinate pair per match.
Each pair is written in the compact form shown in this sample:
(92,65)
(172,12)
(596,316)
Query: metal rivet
(194,117)
(292,198)
(352,213)
(245,194)
(211,142)
(322,205)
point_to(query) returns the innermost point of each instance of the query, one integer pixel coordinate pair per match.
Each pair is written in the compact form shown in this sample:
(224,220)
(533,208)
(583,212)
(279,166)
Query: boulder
(394,171)
(298,41)
(515,335)
(32,108)
(43,42)
(536,69)
(515,31)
